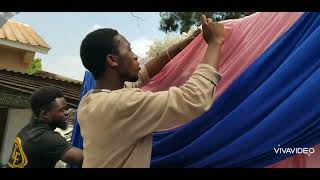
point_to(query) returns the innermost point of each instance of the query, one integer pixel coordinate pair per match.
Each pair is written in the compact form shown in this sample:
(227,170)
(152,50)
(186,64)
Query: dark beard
(61,125)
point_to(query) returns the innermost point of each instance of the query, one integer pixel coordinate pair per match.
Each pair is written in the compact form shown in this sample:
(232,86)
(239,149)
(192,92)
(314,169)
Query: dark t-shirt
(37,146)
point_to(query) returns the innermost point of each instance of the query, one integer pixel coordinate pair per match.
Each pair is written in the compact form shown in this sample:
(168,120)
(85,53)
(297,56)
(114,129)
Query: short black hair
(42,98)
(94,49)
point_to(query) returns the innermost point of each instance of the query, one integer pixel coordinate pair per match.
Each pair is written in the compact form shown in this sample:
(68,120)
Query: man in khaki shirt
(117,123)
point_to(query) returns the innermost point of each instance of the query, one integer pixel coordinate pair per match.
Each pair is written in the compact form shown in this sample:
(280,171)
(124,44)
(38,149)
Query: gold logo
(18,157)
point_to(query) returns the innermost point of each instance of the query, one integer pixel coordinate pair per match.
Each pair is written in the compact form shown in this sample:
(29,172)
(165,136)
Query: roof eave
(24,46)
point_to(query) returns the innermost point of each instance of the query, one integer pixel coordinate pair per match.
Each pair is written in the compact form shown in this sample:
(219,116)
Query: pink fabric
(245,40)
(300,161)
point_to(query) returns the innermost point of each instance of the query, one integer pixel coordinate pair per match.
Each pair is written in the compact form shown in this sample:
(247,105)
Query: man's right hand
(213,32)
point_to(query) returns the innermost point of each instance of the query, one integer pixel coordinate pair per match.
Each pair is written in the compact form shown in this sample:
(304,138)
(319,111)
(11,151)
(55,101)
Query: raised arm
(155,65)
(167,109)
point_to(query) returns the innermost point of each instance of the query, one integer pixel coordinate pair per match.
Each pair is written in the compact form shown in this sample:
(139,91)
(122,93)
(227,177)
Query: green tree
(182,21)
(35,66)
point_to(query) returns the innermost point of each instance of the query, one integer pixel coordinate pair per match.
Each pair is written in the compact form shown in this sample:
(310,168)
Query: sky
(64,31)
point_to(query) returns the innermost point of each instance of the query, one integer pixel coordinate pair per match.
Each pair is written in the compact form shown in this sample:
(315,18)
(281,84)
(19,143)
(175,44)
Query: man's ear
(111,61)
(44,114)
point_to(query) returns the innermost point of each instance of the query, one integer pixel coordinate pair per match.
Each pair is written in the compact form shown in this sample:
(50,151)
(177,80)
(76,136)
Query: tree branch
(137,18)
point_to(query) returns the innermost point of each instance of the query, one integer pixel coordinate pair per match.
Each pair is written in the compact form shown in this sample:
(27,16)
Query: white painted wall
(17,119)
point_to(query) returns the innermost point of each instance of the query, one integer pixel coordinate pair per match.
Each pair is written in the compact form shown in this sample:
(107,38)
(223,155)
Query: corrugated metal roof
(47,75)
(22,33)
(29,83)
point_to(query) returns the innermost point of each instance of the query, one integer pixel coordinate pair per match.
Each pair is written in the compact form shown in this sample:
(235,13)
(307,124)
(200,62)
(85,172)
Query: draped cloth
(267,97)
(88,84)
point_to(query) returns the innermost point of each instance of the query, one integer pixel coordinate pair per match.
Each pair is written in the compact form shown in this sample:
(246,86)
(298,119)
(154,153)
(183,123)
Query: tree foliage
(35,66)
(182,21)
(159,45)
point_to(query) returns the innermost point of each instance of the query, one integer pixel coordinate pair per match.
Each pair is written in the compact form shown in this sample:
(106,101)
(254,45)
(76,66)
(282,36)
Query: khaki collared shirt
(117,126)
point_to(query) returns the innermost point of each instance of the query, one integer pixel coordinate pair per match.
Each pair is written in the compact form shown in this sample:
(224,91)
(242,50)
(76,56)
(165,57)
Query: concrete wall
(17,119)
(15,59)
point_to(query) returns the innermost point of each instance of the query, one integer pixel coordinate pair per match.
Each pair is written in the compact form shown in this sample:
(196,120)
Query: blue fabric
(88,84)
(274,102)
